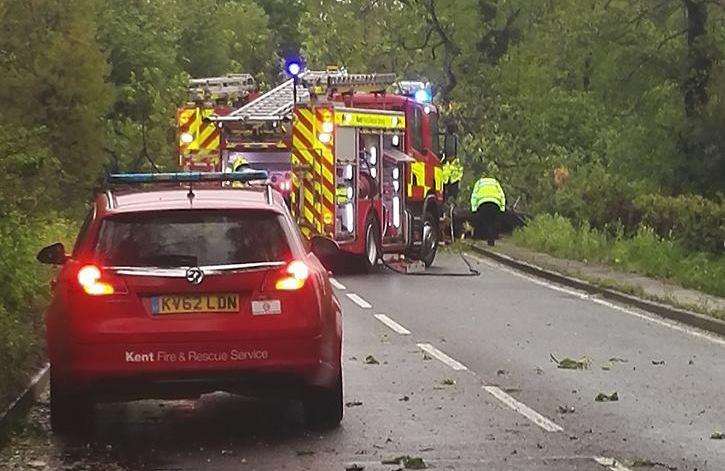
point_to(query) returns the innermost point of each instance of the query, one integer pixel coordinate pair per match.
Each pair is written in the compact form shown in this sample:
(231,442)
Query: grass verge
(644,253)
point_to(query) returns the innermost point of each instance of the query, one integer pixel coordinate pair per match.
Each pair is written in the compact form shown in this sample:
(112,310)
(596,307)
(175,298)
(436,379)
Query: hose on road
(471,271)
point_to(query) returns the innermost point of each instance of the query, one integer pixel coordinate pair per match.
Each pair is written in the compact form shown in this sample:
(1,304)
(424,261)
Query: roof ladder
(277,103)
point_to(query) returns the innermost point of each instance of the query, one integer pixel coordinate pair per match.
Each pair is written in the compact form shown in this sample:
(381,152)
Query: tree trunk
(699,63)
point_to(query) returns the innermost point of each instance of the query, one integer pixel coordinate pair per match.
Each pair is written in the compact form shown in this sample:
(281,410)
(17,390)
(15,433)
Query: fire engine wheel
(323,408)
(69,413)
(372,245)
(429,240)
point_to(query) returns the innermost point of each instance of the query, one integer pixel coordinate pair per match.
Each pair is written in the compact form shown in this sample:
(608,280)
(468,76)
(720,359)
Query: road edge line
(518,406)
(35,387)
(690,318)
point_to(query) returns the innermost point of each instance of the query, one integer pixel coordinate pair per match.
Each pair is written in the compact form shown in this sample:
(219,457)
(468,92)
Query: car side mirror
(450,146)
(53,254)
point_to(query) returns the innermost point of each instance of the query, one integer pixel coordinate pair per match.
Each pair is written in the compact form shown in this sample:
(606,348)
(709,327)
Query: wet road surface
(464,380)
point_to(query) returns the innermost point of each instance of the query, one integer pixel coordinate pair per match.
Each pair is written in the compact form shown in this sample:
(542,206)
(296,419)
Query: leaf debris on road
(601,397)
(717,435)
(658,362)
(646,463)
(570,363)
(371,360)
(448,382)
(353,403)
(566,409)
(408,462)
(354,467)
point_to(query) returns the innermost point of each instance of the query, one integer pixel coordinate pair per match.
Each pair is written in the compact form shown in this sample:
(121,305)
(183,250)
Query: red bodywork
(112,345)
(389,101)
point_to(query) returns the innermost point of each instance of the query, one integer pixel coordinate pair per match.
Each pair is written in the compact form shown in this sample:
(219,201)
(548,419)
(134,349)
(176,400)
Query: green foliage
(284,18)
(53,74)
(90,86)
(697,223)
(645,252)
(23,290)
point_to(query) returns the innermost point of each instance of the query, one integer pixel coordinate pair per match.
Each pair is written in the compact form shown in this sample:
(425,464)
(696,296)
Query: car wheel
(372,244)
(429,239)
(70,413)
(323,407)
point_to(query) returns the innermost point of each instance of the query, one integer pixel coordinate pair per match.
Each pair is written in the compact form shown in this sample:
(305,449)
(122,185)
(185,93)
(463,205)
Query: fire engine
(197,138)
(358,163)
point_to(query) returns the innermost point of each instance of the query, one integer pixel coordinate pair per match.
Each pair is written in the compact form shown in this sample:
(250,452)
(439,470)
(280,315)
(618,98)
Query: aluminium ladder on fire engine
(221,88)
(278,103)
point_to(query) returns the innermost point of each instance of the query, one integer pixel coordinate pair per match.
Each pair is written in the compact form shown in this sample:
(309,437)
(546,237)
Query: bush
(23,293)
(697,223)
(557,235)
(645,252)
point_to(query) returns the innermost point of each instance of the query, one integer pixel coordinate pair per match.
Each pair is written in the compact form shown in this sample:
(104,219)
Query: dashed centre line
(495,391)
(523,409)
(358,300)
(430,349)
(337,284)
(392,324)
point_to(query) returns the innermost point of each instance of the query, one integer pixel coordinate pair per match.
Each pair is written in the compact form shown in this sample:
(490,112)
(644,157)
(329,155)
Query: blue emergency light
(423,95)
(293,66)
(188,177)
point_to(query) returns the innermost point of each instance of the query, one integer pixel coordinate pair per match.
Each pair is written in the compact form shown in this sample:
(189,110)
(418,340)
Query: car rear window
(192,238)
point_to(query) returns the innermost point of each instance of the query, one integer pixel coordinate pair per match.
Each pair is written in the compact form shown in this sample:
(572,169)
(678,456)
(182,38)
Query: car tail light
(296,273)
(89,277)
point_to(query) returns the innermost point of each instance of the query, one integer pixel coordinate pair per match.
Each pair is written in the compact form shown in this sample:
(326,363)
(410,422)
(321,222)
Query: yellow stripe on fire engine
(370,120)
(438,178)
(417,170)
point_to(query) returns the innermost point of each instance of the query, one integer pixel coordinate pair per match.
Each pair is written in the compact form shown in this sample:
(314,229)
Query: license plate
(190,303)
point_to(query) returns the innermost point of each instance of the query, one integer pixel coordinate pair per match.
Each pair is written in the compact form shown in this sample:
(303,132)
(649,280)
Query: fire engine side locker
(353,128)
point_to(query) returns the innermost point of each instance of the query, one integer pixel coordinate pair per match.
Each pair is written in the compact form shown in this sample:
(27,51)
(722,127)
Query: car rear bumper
(151,370)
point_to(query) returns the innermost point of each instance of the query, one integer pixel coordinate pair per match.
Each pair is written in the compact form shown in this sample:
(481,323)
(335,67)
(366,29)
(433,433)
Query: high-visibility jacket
(452,171)
(488,190)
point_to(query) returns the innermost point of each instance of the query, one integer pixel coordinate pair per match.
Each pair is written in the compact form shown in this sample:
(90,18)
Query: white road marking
(523,409)
(611,463)
(647,317)
(428,348)
(392,324)
(336,284)
(358,300)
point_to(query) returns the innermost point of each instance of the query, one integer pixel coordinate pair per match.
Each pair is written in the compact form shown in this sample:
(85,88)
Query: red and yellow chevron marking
(316,186)
(206,134)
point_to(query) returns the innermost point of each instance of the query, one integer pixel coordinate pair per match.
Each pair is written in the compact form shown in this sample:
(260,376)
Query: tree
(53,74)
(142,40)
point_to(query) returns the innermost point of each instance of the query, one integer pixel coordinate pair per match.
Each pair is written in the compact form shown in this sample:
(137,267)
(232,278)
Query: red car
(175,292)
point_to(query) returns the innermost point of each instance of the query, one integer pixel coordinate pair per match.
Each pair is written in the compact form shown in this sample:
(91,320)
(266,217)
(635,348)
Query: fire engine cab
(356,155)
